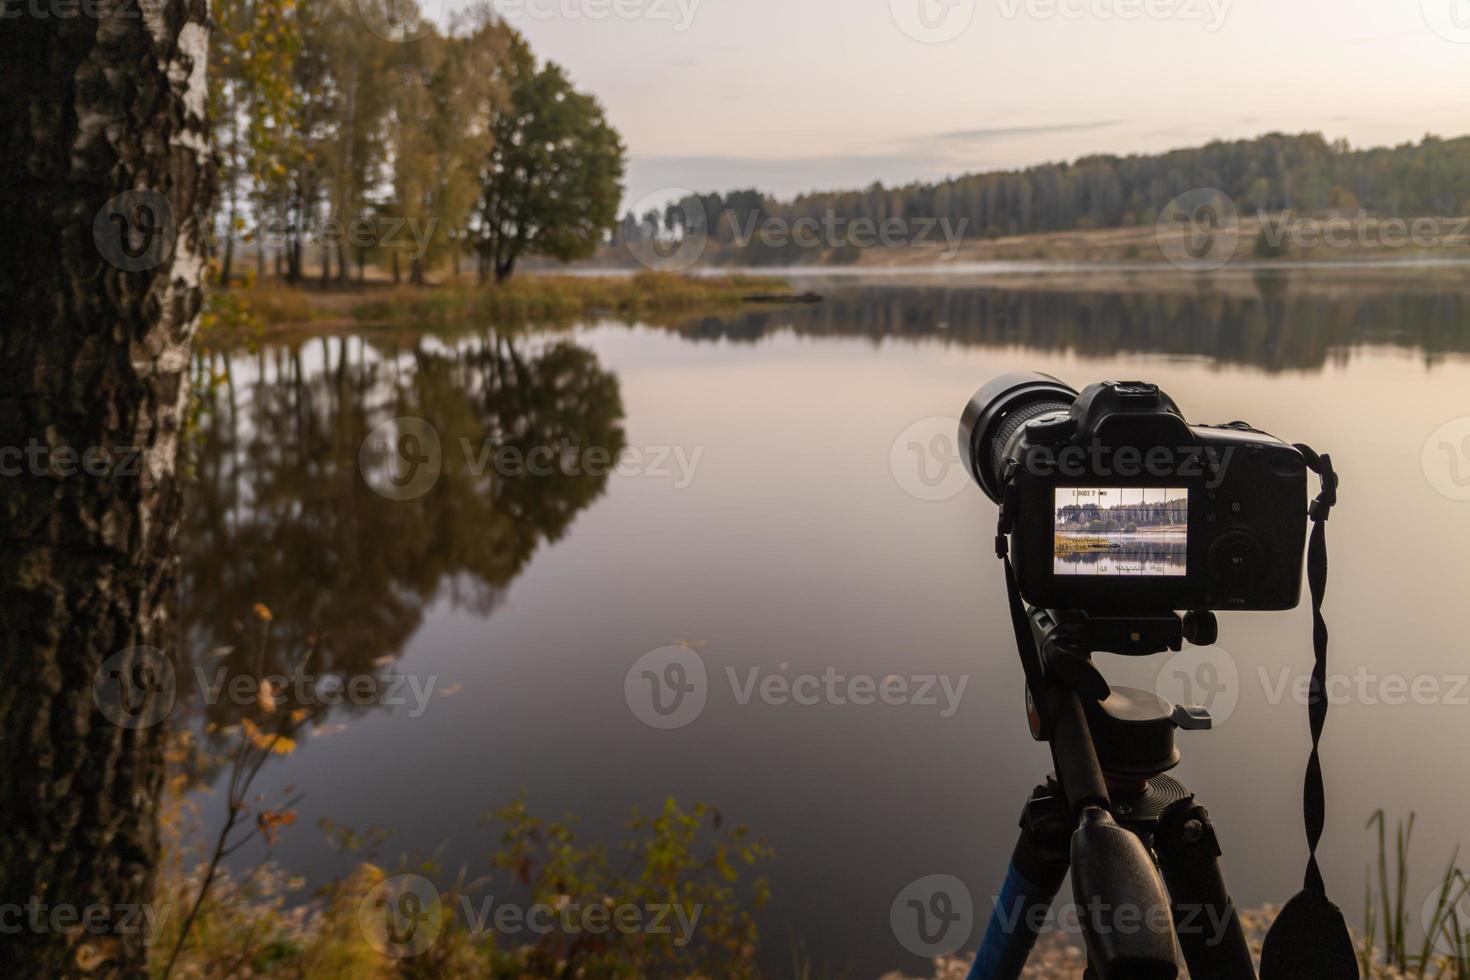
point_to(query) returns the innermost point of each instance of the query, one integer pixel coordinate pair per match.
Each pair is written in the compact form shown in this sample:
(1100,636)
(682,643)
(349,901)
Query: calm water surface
(793,507)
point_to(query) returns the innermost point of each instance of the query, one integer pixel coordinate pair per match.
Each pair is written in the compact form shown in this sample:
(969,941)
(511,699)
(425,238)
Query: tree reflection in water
(280,513)
(1267,323)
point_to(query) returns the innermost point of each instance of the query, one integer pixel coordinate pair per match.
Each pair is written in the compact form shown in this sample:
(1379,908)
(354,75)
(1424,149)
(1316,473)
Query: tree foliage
(554,174)
(338,140)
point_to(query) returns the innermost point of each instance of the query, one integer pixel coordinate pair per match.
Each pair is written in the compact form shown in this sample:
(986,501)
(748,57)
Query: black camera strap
(1310,938)
(1021,624)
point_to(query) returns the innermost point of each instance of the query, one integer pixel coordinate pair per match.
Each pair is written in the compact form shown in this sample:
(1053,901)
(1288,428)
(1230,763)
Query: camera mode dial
(1051,429)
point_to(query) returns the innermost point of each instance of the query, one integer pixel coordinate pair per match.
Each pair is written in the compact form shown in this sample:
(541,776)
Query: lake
(778,492)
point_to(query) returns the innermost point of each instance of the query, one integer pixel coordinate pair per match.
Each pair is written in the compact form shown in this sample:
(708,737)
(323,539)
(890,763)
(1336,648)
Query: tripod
(1110,814)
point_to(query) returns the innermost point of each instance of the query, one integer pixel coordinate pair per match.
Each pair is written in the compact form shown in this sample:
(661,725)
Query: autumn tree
(554,173)
(252,54)
(446,85)
(107,173)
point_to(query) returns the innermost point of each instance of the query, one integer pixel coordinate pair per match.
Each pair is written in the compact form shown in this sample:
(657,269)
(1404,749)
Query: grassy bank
(531,298)
(1069,544)
(271,309)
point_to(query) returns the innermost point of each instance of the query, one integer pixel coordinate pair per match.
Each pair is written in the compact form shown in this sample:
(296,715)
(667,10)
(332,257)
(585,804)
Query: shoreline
(252,311)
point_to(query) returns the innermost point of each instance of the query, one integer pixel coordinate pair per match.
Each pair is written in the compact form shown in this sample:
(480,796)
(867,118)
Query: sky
(796,95)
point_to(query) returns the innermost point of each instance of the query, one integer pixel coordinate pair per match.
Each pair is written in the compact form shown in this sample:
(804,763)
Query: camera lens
(994,418)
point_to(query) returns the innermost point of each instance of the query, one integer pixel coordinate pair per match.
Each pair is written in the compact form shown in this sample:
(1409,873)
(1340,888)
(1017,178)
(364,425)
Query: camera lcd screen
(1120,531)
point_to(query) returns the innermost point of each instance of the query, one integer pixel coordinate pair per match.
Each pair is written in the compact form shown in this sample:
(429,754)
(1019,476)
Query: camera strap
(1310,938)
(1021,624)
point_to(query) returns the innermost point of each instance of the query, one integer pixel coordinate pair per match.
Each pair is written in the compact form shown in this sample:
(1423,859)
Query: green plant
(678,860)
(1443,928)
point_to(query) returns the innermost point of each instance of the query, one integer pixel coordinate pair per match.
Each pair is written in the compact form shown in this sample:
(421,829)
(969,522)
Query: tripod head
(1060,649)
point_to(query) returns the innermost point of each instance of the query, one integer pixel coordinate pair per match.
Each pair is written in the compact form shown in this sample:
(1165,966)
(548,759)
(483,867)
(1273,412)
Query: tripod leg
(1205,918)
(1038,866)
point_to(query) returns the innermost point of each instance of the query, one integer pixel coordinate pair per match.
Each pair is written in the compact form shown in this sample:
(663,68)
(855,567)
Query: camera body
(1113,503)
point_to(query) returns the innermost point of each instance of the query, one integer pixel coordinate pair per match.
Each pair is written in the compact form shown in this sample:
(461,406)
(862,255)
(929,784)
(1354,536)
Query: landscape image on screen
(1121,531)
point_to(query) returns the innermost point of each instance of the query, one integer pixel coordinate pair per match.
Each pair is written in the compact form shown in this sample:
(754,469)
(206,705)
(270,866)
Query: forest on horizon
(1276,172)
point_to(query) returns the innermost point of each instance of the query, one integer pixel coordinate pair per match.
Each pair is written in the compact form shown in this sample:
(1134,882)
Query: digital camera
(1111,502)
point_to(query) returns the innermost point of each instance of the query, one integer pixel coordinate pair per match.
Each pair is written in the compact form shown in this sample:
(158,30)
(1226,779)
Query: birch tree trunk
(107,179)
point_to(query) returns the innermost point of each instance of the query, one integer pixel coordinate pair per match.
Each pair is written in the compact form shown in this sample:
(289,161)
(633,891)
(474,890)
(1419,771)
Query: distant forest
(1123,517)
(1275,172)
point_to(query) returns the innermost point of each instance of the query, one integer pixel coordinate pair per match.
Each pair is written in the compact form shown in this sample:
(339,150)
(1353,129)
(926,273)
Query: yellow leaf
(276,744)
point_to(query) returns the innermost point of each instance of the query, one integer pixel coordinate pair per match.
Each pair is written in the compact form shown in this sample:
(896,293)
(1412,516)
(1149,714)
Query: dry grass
(251,312)
(552,298)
